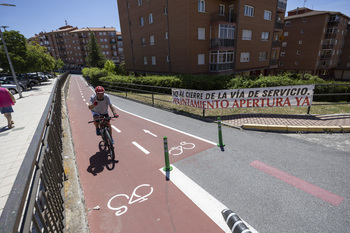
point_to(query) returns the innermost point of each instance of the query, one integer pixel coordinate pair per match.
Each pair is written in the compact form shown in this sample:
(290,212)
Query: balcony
(330,35)
(217,67)
(226,17)
(281,6)
(326,57)
(327,46)
(216,43)
(276,44)
(279,25)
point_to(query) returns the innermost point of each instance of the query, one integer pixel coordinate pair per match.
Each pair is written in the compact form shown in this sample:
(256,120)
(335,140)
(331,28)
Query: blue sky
(33,16)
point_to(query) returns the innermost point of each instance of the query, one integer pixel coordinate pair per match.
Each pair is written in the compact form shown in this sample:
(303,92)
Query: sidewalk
(14,142)
(337,123)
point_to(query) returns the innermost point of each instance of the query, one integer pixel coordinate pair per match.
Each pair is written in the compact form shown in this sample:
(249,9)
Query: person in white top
(99,103)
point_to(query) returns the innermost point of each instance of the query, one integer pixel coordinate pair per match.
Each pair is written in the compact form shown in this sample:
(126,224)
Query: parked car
(35,77)
(10,80)
(12,88)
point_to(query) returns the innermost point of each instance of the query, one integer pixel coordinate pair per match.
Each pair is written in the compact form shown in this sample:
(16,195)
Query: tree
(95,57)
(16,47)
(58,64)
(110,67)
(38,58)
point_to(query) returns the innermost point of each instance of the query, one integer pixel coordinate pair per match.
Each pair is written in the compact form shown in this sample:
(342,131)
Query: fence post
(167,167)
(221,144)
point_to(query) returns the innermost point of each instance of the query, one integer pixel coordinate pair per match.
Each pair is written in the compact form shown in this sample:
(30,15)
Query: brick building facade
(70,44)
(203,36)
(316,42)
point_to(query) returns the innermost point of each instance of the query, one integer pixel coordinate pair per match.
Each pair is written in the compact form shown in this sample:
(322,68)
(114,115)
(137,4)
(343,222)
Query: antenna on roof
(304,3)
(66,22)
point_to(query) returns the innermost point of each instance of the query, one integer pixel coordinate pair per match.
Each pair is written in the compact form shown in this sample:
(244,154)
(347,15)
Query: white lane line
(188,134)
(154,122)
(116,129)
(141,148)
(206,202)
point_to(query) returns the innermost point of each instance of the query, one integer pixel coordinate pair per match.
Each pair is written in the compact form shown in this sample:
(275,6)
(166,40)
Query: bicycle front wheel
(110,144)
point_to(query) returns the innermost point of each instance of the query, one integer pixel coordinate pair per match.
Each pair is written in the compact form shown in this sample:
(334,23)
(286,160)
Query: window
(165,10)
(151,40)
(262,56)
(304,20)
(150,18)
(139,2)
(300,42)
(201,5)
(154,60)
(298,52)
(248,10)
(201,33)
(246,34)
(100,33)
(348,64)
(265,36)
(284,44)
(285,33)
(221,9)
(296,63)
(101,40)
(245,57)
(141,22)
(201,59)
(267,15)
(104,33)
(302,31)
(226,31)
(143,41)
(145,60)
(283,54)
(166,35)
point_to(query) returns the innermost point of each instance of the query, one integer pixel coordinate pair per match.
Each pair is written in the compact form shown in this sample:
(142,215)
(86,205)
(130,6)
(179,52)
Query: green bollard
(167,167)
(221,144)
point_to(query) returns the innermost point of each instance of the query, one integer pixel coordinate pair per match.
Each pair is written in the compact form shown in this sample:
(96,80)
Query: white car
(12,88)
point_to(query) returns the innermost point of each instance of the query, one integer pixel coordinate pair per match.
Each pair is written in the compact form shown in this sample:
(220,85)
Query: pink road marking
(298,183)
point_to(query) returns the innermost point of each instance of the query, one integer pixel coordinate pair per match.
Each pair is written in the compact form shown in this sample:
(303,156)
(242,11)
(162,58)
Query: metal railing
(153,93)
(36,201)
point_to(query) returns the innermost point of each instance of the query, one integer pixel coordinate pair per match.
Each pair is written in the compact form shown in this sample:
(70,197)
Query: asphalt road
(302,186)
(275,182)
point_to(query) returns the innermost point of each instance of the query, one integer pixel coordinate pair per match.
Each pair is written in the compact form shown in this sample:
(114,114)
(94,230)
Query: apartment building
(70,44)
(313,42)
(202,36)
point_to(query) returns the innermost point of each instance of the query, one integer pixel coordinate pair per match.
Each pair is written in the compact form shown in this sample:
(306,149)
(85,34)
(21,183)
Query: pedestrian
(6,102)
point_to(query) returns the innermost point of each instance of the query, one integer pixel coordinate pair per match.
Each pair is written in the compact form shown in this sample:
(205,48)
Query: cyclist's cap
(99,89)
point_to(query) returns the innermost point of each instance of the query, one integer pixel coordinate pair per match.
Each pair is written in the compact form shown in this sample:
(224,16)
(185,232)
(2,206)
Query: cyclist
(99,103)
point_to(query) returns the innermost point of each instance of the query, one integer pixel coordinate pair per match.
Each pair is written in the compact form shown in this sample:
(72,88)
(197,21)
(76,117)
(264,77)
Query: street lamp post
(10,63)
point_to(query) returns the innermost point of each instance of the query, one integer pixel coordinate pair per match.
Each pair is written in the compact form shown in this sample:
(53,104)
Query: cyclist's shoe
(112,141)
(98,132)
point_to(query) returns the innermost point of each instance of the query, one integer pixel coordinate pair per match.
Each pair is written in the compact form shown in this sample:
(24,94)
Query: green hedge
(216,82)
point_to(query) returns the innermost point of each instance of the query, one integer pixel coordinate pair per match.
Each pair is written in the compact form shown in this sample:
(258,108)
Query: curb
(297,129)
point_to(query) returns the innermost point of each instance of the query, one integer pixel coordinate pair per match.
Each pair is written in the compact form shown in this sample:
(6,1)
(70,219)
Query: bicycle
(107,141)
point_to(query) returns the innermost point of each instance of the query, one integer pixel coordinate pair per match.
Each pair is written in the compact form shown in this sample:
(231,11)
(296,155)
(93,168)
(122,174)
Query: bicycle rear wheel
(110,145)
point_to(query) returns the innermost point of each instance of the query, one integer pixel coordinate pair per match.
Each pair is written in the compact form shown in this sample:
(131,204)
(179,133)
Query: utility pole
(10,63)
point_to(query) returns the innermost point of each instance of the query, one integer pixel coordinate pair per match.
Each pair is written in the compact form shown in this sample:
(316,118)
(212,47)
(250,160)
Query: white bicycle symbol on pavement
(122,209)
(181,147)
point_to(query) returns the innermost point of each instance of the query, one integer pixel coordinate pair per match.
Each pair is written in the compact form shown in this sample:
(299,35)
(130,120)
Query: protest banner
(286,96)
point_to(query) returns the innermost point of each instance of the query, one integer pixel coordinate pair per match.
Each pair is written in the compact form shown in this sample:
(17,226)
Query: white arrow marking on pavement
(116,129)
(149,132)
(141,148)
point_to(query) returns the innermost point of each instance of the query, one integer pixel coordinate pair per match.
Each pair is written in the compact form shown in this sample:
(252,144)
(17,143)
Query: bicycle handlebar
(104,118)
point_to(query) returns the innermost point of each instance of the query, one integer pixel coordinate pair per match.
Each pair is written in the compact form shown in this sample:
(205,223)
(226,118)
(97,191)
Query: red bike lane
(133,195)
